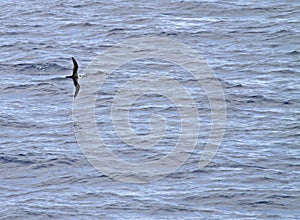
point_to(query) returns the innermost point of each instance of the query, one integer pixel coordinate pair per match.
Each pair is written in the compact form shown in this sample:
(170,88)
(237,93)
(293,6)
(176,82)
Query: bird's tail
(68,76)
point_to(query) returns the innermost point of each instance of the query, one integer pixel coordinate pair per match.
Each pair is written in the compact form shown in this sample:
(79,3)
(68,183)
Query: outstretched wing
(77,87)
(75,67)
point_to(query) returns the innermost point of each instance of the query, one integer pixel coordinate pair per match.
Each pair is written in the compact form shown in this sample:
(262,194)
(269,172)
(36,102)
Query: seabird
(75,77)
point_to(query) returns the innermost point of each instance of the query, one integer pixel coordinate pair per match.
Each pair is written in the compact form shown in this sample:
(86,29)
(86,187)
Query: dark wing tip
(74,61)
(75,65)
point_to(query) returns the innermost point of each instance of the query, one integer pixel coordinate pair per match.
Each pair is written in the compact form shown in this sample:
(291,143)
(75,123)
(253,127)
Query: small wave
(20,86)
(10,159)
(258,98)
(242,99)
(7,45)
(87,24)
(163,33)
(231,85)
(116,30)
(282,31)
(91,5)
(294,52)
(44,67)
(35,85)
(55,162)
(14,33)
(43,84)
(16,123)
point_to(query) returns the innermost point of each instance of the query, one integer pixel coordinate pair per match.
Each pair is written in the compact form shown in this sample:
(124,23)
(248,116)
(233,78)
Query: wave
(249,99)
(31,85)
(293,52)
(14,159)
(78,25)
(37,68)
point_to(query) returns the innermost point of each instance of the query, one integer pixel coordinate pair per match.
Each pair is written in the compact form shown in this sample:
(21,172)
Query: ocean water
(252,47)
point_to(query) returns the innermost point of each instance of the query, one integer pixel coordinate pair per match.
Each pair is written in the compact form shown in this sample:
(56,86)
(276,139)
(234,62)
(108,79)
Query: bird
(75,77)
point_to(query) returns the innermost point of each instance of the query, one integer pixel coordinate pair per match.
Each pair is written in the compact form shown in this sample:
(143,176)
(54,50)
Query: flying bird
(75,77)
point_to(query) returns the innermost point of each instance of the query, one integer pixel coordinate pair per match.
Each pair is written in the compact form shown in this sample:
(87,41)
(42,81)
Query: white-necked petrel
(75,77)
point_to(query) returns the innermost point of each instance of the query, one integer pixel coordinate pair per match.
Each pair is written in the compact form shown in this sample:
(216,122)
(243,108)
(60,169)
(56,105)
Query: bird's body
(75,77)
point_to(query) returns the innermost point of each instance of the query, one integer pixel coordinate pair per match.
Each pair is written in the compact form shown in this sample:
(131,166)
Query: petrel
(75,77)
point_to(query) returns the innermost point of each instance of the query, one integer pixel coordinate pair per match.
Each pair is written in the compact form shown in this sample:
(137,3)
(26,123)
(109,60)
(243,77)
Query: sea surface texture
(253,47)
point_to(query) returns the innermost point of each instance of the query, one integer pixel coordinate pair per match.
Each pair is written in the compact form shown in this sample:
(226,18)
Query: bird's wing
(75,67)
(77,87)
(75,81)
(77,90)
